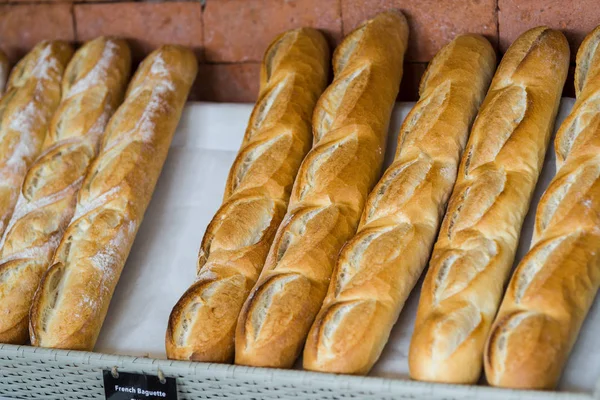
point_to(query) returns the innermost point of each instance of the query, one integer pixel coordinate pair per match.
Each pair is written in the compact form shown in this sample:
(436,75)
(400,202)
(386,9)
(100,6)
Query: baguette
(555,284)
(350,130)
(4,69)
(71,302)
(93,87)
(235,245)
(476,246)
(379,266)
(32,96)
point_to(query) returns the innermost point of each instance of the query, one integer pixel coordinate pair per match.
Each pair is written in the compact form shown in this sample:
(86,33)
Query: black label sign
(128,386)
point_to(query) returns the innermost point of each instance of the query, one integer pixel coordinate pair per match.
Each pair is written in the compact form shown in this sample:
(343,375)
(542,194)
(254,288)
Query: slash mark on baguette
(499,337)
(364,249)
(319,156)
(451,330)
(477,199)
(460,267)
(442,276)
(585,61)
(279,94)
(552,200)
(207,301)
(584,116)
(260,212)
(52,290)
(249,157)
(271,290)
(187,318)
(410,176)
(433,106)
(454,217)
(346,90)
(347,48)
(296,226)
(339,313)
(563,190)
(501,120)
(287,40)
(535,261)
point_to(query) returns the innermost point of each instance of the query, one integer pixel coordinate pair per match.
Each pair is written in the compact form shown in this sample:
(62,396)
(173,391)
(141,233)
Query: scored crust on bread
(555,284)
(350,130)
(476,245)
(237,240)
(72,299)
(380,265)
(32,95)
(92,88)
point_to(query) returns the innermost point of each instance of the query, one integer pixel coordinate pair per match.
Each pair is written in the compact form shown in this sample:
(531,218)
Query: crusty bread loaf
(350,130)
(476,246)
(380,265)
(4,68)
(92,88)
(235,245)
(555,284)
(71,302)
(32,95)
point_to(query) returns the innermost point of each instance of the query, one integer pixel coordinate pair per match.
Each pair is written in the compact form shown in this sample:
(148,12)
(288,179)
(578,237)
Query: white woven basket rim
(306,379)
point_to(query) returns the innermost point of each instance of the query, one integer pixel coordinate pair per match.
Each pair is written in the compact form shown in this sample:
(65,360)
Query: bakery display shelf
(37,373)
(203,148)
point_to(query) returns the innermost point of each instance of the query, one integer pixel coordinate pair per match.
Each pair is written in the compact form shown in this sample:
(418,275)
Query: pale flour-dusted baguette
(71,302)
(32,95)
(4,69)
(93,86)
(476,245)
(555,284)
(350,130)
(380,265)
(235,245)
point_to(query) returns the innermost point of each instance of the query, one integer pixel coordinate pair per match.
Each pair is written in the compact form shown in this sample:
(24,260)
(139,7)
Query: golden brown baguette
(92,88)
(71,302)
(380,265)
(555,284)
(235,245)
(4,69)
(478,238)
(350,130)
(32,95)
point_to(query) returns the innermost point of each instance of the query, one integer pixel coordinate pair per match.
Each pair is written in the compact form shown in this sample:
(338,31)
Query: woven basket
(37,373)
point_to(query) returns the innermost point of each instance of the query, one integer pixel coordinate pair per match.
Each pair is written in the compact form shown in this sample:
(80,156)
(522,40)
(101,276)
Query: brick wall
(229,36)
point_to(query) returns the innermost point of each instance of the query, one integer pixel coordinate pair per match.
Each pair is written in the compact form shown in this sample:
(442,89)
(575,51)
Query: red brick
(236,83)
(411,79)
(145,25)
(433,23)
(241,30)
(576,19)
(22,26)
